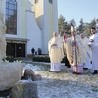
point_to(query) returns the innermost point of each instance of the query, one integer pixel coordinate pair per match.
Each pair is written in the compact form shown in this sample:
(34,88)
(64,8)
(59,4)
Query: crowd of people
(80,50)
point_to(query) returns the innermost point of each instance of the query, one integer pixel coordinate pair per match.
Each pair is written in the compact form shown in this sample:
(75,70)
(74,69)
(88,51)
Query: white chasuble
(94,47)
(55,53)
(74,51)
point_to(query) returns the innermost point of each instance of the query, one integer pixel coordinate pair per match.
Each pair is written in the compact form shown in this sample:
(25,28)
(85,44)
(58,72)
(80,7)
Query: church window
(51,1)
(36,1)
(11,16)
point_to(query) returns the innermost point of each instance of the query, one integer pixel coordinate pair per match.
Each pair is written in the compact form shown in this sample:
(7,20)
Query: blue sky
(77,9)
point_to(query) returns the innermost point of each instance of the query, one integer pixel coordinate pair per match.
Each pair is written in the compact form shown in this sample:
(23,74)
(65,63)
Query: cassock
(56,54)
(94,46)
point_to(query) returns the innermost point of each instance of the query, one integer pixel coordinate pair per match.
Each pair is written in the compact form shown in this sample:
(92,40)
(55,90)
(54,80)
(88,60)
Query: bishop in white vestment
(74,51)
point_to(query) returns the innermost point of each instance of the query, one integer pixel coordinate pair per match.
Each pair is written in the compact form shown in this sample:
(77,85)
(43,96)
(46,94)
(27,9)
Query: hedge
(44,58)
(41,58)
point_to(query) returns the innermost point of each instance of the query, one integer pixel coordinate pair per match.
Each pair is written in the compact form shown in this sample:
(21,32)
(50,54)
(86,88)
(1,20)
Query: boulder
(10,73)
(29,74)
(24,89)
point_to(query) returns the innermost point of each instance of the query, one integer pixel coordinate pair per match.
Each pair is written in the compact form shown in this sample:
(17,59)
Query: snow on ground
(65,84)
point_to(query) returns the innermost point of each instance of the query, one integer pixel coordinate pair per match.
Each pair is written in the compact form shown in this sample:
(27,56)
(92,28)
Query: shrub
(41,58)
(9,58)
(44,58)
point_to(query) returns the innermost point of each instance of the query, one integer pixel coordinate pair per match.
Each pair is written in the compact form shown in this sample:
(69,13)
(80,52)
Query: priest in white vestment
(56,53)
(93,44)
(87,52)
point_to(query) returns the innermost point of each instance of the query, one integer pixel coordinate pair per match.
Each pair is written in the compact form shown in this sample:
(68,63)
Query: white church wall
(55,12)
(29,6)
(50,21)
(48,24)
(33,33)
(39,13)
(32,3)
(46,17)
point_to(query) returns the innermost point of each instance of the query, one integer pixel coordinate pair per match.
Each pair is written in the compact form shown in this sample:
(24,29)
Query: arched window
(11,16)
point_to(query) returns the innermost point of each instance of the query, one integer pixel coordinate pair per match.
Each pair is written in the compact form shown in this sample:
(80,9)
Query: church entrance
(15,49)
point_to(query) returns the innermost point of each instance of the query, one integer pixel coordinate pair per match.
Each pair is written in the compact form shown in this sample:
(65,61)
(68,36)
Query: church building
(30,23)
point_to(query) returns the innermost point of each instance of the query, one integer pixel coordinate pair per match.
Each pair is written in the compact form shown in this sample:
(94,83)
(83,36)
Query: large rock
(2,37)
(29,74)
(24,89)
(10,73)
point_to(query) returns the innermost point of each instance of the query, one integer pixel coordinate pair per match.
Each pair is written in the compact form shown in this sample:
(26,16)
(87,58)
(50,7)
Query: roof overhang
(16,40)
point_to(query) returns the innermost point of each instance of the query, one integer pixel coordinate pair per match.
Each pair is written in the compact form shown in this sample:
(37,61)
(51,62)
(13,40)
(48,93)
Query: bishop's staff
(73,32)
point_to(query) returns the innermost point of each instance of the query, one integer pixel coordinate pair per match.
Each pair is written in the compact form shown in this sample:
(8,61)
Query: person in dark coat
(33,51)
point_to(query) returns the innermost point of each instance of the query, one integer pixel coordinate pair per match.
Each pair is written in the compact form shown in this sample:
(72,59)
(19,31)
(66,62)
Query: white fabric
(78,68)
(81,50)
(87,53)
(70,50)
(74,50)
(56,53)
(55,67)
(94,45)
